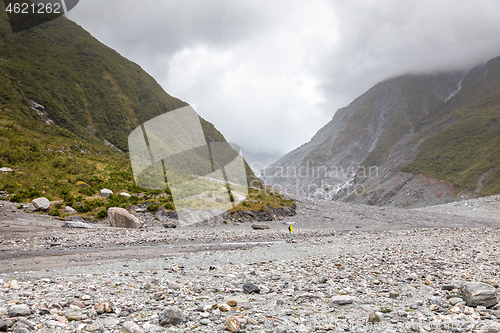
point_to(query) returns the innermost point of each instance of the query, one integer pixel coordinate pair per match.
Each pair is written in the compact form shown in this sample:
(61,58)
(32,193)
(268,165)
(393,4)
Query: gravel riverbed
(440,274)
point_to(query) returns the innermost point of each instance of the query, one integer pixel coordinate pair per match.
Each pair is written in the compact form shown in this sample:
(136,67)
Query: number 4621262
(34,8)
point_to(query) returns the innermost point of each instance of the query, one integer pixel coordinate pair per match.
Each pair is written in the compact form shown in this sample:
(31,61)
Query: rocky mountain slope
(410,141)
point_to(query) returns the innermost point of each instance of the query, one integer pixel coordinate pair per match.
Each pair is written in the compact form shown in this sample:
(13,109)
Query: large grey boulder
(6,170)
(41,203)
(121,218)
(479,294)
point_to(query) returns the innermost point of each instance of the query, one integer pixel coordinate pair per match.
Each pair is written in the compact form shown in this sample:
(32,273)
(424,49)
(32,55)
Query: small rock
(232,303)
(449,287)
(5,170)
(436,300)
(74,317)
(110,322)
(342,300)
(172,316)
(170,225)
(77,225)
(205,321)
(455,300)
(224,307)
(415,305)
(232,324)
(251,288)
(105,193)
(77,304)
(13,284)
(101,308)
(374,318)
(70,210)
(260,226)
(21,310)
(132,327)
(125,194)
(23,326)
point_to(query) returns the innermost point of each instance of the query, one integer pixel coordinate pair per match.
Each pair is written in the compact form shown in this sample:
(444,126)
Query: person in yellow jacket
(290,229)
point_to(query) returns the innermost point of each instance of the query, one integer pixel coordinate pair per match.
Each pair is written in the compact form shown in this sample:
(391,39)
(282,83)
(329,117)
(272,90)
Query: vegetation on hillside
(463,148)
(90,94)
(467,153)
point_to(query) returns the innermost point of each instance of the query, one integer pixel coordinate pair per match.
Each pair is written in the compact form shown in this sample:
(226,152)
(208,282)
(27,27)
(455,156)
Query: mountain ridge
(388,129)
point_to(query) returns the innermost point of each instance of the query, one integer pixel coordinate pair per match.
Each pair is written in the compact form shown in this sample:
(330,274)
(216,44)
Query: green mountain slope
(62,94)
(109,93)
(467,153)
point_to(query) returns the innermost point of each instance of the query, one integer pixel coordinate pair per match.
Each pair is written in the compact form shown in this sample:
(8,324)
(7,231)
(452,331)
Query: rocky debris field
(352,268)
(428,280)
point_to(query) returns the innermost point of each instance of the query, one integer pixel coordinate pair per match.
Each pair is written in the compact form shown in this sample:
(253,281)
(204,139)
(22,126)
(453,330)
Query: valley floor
(349,263)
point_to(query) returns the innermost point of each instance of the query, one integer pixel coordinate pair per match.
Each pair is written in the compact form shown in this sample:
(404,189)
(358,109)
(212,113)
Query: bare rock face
(479,294)
(121,218)
(41,203)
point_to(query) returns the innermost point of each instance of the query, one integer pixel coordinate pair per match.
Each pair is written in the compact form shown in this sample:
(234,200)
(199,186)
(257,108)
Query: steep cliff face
(360,154)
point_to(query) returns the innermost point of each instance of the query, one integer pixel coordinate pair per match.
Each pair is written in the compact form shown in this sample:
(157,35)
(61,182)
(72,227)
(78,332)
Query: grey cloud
(269,74)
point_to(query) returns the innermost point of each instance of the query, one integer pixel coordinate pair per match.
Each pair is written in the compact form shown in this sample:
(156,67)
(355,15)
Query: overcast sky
(269,74)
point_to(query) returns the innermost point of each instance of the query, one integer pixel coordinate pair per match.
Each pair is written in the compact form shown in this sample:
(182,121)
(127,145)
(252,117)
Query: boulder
(170,225)
(479,294)
(105,193)
(41,203)
(171,316)
(132,327)
(70,210)
(104,307)
(232,324)
(77,224)
(6,170)
(251,288)
(121,218)
(20,310)
(125,194)
(341,300)
(260,226)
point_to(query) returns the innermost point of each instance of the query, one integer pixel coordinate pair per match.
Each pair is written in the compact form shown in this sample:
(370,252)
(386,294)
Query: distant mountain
(410,141)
